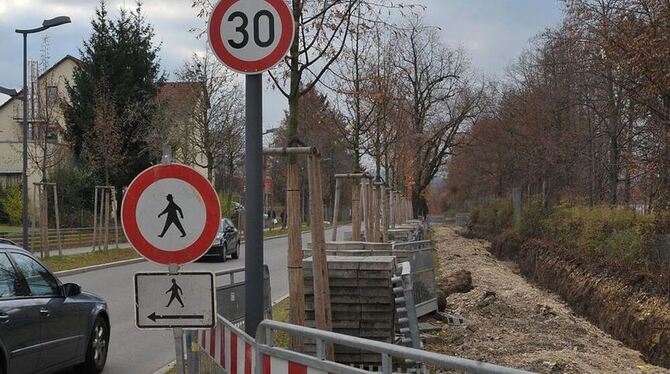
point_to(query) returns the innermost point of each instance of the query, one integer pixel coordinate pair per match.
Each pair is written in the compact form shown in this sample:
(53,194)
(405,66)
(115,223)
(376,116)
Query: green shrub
(607,234)
(533,216)
(76,189)
(492,219)
(227,201)
(12,204)
(474,220)
(613,235)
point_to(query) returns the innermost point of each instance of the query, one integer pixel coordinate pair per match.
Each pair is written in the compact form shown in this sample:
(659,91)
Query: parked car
(45,325)
(227,242)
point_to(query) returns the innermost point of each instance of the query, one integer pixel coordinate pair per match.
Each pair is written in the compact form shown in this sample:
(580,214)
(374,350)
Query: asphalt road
(145,351)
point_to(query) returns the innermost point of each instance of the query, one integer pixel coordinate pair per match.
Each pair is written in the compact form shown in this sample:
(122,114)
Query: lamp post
(8,91)
(48,23)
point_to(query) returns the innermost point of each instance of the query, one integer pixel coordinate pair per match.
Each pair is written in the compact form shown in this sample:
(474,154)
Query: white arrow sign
(164,300)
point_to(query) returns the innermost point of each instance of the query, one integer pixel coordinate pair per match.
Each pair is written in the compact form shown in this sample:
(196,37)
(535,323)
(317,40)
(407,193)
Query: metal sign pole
(178,334)
(253,258)
(174,269)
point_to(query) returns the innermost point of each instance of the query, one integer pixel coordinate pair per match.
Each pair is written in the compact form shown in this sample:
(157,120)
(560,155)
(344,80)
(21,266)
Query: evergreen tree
(120,55)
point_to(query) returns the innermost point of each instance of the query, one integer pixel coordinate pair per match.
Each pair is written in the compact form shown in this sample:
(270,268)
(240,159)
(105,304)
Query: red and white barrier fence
(235,352)
(231,348)
(274,365)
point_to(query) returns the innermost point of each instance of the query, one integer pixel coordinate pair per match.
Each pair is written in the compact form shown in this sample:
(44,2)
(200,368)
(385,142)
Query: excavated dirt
(510,322)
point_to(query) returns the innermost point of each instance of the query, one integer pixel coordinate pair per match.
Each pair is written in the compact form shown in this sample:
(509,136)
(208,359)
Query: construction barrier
(237,353)
(230,347)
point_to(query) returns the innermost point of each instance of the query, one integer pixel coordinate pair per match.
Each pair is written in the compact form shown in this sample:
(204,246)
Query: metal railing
(389,353)
(230,294)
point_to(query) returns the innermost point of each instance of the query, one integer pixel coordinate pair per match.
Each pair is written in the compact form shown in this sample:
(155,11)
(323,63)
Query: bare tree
(218,111)
(103,145)
(440,98)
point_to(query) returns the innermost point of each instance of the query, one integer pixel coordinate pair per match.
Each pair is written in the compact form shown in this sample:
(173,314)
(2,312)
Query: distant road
(145,351)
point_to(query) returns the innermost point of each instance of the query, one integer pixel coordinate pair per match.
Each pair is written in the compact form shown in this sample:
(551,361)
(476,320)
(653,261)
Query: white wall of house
(11,113)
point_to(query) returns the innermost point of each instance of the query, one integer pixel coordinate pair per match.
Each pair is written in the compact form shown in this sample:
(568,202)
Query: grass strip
(68,262)
(280,313)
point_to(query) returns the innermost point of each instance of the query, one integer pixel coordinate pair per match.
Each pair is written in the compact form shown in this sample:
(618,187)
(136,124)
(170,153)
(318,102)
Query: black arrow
(154,316)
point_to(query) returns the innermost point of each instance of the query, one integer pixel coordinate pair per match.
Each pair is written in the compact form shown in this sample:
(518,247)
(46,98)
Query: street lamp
(8,91)
(269,131)
(48,23)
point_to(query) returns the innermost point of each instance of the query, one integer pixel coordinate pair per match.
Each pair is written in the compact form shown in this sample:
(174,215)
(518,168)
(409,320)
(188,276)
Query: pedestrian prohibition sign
(251,36)
(170,214)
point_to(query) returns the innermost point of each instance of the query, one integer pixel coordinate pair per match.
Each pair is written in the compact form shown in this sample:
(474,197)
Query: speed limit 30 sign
(251,36)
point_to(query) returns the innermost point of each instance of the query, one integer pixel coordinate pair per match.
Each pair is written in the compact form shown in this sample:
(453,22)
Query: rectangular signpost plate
(164,300)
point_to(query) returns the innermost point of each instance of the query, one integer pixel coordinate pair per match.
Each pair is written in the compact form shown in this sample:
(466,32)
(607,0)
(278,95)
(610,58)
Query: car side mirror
(71,289)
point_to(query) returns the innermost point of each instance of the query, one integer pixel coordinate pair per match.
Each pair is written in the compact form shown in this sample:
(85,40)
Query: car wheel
(98,344)
(236,254)
(224,253)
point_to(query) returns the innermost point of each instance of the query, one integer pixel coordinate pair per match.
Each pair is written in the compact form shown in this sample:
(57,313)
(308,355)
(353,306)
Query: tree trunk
(613,170)
(296,281)
(419,203)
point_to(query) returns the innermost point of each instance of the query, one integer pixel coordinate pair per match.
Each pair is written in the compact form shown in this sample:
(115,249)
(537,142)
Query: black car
(227,242)
(46,326)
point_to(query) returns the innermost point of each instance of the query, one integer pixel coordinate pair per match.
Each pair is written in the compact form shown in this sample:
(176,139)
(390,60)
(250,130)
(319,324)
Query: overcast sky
(493,32)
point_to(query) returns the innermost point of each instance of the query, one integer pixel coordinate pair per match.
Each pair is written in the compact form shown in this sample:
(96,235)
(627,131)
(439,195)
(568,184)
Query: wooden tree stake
(295,271)
(322,307)
(336,208)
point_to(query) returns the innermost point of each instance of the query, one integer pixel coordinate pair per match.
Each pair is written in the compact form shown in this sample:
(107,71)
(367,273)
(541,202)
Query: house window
(52,96)
(10,179)
(52,135)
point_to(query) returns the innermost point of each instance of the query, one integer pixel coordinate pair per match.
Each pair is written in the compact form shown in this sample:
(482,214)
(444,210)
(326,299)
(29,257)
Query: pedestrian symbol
(171,211)
(184,299)
(175,292)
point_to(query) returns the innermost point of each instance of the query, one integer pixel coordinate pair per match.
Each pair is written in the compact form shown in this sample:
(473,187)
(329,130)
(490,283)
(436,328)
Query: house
(177,102)
(46,123)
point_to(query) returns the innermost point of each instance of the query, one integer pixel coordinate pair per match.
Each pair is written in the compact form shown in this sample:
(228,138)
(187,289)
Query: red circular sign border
(257,66)
(129,219)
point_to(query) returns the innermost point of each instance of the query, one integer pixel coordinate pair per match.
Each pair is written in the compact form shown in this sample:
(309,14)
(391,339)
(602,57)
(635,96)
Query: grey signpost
(253,259)
(197,219)
(250,37)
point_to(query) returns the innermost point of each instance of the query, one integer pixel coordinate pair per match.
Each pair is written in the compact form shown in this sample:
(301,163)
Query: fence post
(58,237)
(385,213)
(95,218)
(516,206)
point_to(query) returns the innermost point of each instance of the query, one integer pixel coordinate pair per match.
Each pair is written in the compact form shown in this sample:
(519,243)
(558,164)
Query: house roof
(180,97)
(62,60)
(175,90)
